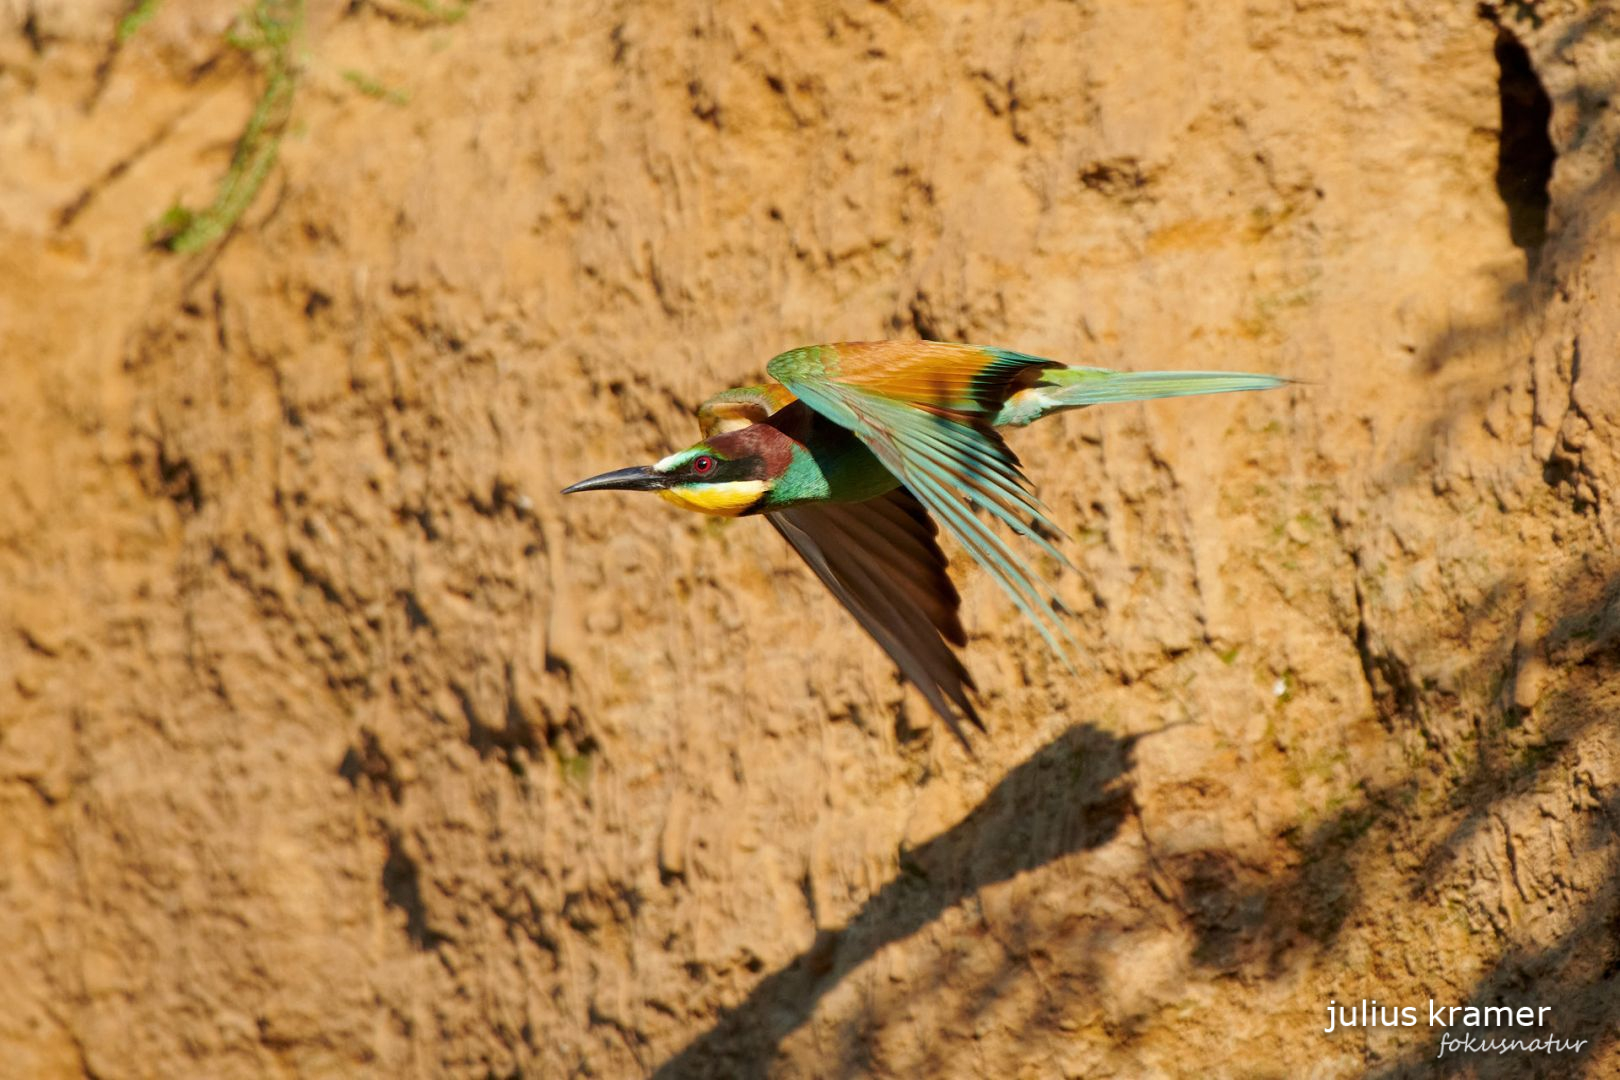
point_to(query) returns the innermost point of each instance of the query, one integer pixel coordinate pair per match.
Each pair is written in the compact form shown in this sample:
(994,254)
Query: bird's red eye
(703,465)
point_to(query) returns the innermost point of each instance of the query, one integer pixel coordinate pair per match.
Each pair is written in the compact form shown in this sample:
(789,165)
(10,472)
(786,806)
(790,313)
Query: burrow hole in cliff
(1525,154)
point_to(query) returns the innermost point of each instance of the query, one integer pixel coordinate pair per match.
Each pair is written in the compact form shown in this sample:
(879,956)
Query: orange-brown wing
(967,379)
(880,558)
(740,407)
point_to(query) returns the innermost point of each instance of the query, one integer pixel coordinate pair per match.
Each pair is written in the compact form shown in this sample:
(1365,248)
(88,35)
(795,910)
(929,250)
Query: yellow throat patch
(721,500)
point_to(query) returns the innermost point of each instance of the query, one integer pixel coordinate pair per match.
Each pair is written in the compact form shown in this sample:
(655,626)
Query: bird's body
(854,448)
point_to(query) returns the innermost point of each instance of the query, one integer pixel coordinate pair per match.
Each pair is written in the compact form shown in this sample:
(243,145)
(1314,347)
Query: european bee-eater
(857,443)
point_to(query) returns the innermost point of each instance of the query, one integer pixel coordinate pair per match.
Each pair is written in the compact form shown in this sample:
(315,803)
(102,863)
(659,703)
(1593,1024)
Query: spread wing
(881,560)
(926,410)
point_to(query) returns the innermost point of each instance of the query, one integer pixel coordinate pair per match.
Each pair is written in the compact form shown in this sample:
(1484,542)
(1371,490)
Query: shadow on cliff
(1070,796)
(1481,759)
(1511,754)
(1521,755)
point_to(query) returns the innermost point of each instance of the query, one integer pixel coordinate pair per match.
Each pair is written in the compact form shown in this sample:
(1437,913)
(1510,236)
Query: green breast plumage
(830,465)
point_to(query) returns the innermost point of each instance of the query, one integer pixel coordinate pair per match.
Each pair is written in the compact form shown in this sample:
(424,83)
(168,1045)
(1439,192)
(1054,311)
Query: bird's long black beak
(635,478)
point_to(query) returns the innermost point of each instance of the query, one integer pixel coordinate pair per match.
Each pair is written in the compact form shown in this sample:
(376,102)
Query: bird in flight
(858,448)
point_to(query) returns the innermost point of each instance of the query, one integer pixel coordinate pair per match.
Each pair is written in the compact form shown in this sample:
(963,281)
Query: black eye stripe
(714,470)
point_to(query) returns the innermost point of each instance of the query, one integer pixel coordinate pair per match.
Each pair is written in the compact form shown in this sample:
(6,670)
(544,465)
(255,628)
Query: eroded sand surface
(334,743)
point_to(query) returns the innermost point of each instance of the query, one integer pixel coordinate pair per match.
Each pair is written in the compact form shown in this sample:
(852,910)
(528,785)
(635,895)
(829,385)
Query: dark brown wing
(881,560)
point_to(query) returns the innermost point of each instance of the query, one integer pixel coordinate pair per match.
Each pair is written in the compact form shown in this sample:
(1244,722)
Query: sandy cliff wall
(334,742)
